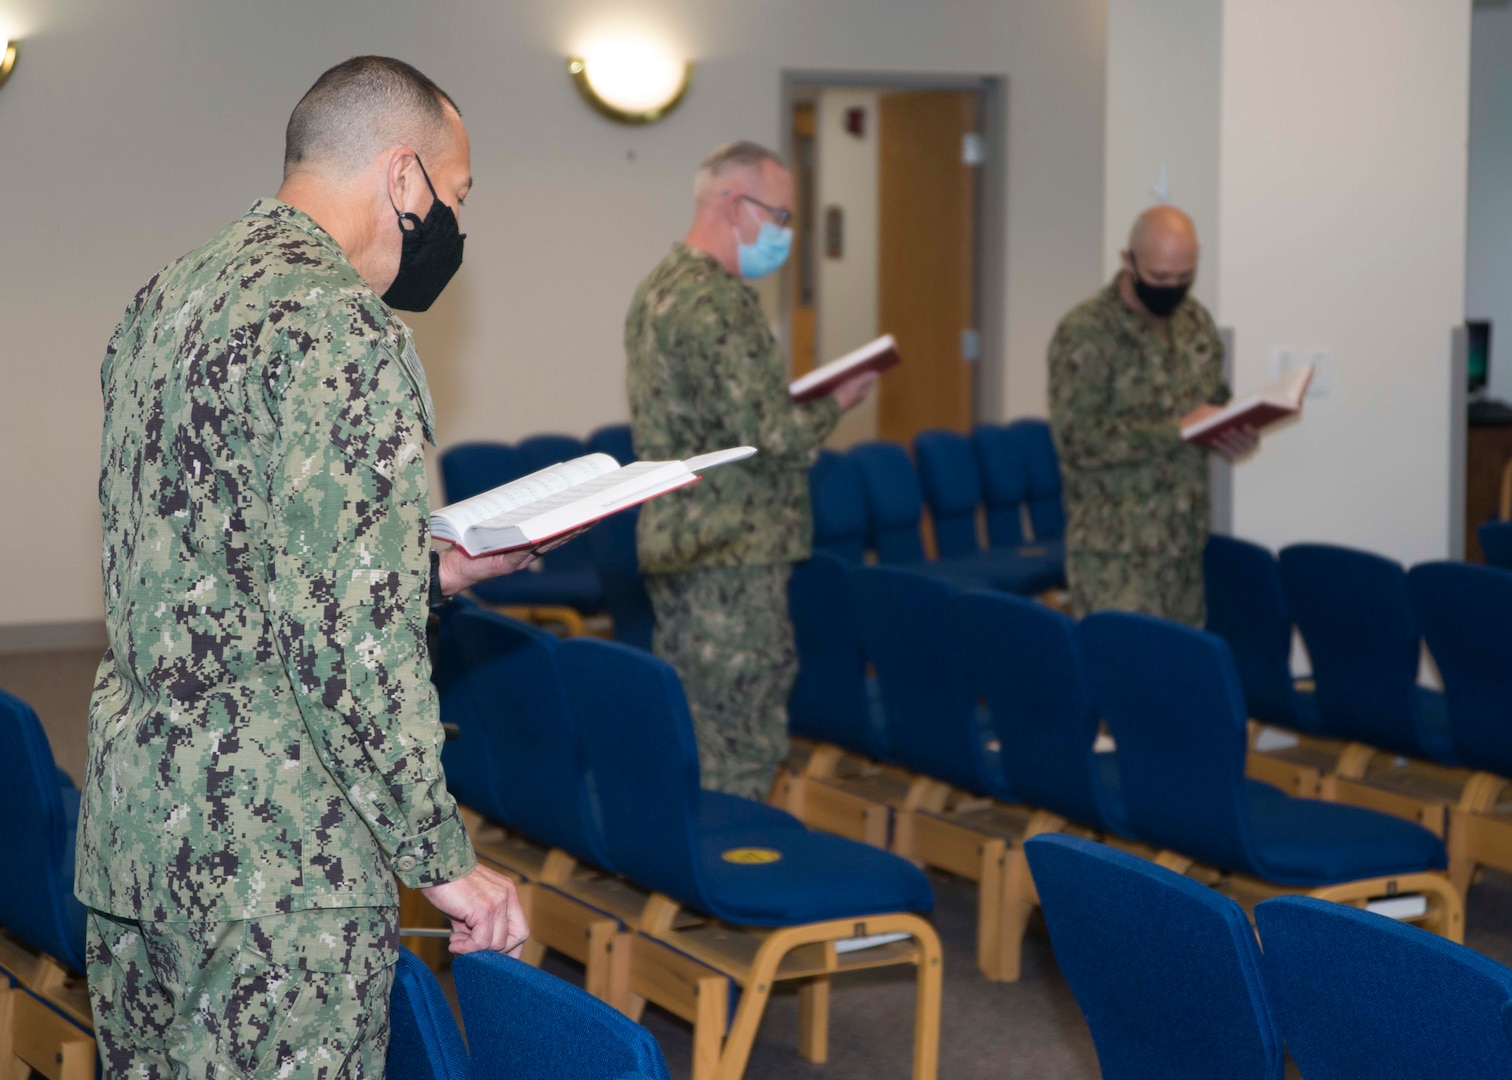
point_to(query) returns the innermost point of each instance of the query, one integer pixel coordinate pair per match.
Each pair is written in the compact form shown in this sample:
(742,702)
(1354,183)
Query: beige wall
(131,132)
(1488,288)
(847,177)
(1343,225)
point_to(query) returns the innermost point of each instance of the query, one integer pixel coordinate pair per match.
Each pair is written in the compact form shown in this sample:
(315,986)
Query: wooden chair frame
(45,1019)
(1480,830)
(683,962)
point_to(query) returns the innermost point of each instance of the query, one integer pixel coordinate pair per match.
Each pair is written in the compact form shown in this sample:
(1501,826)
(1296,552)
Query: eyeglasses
(779,217)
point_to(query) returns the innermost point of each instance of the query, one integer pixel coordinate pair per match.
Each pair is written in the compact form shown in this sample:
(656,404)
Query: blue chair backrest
(37,903)
(1496,542)
(1172,701)
(839,506)
(612,544)
(1005,483)
(540,451)
(465,758)
(908,628)
(534,748)
(952,486)
(469,469)
(1358,994)
(1023,657)
(894,501)
(1046,514)
(614,440)
(1165,970)
(526,1024)
(1356,616)
(424,1043)
(639,738)
(1246,607)
(829,701)
(1466,616)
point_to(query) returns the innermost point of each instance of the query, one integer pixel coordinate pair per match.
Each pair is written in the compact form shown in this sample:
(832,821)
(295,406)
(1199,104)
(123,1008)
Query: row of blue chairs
(1174,987)
(1369,732)
(1496,543)
(522,1024)
(965,785)
(578,765)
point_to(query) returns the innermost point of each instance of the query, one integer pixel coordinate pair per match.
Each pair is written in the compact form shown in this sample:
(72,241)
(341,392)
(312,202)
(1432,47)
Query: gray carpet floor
(1031,1028)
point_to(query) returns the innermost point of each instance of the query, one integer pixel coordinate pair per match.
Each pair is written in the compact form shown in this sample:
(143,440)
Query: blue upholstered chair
(39,815)
(751,866)
(1165,970)
(1024,659)
(1358,994)
(894,512)
(1355,613)
(465,757)
(1463,610)
(1172,700)
(424,1043)
(525,1024)
(952,486)
(614,440)
(839,505)
(831,700)
(611,543)
(469,469)
(1496,542)
(1047,515)
(1005,483)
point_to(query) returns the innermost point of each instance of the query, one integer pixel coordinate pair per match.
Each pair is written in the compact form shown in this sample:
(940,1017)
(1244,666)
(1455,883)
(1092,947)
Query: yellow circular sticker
(751,856)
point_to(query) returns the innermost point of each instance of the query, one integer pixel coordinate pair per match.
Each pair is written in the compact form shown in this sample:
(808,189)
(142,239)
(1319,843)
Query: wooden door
(927,197)
(801,267)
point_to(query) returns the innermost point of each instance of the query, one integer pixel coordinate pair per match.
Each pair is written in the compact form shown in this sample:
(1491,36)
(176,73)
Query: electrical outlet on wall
(1285,359)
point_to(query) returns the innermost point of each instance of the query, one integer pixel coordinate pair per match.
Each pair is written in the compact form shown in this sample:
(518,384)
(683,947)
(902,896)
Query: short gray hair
(361,106)
(740,154)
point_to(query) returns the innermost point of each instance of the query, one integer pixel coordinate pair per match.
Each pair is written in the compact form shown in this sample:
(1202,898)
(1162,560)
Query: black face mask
(1159,300)
(431,254)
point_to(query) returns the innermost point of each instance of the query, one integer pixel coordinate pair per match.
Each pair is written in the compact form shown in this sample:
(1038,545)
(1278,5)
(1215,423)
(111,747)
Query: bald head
(1162,252)
(361,107)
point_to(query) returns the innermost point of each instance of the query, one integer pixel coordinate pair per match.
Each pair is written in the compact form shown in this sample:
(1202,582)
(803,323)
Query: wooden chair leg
(1462,862)
(713,1013)
(813,1019)
(991,947)
(927,999)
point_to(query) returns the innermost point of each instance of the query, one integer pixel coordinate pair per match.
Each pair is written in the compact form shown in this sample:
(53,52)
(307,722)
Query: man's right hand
(484,910)
(853,391)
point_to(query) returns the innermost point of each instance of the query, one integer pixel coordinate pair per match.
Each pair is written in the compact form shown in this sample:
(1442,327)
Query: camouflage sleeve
(1217,391)
(1089,433)
(742,383)
(348,595)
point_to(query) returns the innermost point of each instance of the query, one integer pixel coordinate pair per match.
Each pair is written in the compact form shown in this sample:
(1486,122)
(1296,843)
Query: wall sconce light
(631,80)
(7,59)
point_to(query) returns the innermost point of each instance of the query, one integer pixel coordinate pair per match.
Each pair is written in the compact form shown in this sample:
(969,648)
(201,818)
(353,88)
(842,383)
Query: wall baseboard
(53,637)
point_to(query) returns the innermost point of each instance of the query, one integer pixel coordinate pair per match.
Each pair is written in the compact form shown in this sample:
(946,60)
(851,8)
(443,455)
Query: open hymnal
(561,498)
(1258,411)
(879,355)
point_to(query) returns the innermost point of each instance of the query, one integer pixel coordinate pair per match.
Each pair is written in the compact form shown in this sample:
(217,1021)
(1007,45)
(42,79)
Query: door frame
(990,278)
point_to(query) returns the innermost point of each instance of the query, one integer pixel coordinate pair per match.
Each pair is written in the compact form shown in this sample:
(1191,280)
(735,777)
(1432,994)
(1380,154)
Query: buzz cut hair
(740,154)
(358,108)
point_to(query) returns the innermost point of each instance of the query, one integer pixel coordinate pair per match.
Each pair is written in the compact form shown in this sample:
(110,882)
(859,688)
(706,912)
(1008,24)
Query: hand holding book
(1232,442)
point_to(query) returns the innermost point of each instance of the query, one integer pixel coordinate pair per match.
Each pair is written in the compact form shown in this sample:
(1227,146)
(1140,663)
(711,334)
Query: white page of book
(613,487)
(854,358)
(529,490)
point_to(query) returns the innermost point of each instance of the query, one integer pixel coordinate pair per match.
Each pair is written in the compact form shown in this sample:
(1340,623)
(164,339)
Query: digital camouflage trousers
(1170,587)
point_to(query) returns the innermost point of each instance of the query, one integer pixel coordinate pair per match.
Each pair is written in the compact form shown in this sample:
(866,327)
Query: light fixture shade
(7,60)
(630,80)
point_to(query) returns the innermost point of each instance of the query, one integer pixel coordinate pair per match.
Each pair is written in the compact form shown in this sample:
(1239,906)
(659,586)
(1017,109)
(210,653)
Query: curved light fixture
(7,59)
(631,80)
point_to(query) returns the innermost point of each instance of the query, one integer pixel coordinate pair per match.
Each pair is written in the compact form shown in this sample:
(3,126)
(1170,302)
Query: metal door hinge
(971,345)
(972,151)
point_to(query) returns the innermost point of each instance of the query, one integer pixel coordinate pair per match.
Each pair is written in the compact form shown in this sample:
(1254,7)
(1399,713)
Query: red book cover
(877,356)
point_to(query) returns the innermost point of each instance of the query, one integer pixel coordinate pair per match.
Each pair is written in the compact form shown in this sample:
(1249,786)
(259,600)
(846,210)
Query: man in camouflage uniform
(705,373)
(1125,368)
(264,739)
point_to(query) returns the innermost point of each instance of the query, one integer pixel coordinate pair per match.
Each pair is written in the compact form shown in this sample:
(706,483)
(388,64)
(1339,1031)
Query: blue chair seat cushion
(718,811)
(577,587)
(814,877)
(1309,842)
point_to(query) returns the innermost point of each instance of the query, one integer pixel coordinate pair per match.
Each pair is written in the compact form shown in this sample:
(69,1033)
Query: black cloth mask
(1159,300)
(431,254)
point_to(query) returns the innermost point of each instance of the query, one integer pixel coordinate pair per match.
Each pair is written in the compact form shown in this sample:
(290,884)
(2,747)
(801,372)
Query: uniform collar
(282,211)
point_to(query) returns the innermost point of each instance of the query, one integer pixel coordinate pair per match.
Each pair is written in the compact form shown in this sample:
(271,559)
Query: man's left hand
(458,571)
(1238,443)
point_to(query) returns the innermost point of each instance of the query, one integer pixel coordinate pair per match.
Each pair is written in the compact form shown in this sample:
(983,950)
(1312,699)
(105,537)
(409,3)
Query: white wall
(1343,176)
(846,175)
(1488,288)
(1164,78)
(132,132)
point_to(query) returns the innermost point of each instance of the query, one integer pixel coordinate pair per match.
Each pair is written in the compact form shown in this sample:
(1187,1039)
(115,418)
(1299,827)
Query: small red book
(879,355)
(1259,411)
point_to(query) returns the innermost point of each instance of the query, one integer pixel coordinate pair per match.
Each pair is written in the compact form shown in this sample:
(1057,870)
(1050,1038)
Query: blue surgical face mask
(767,253)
